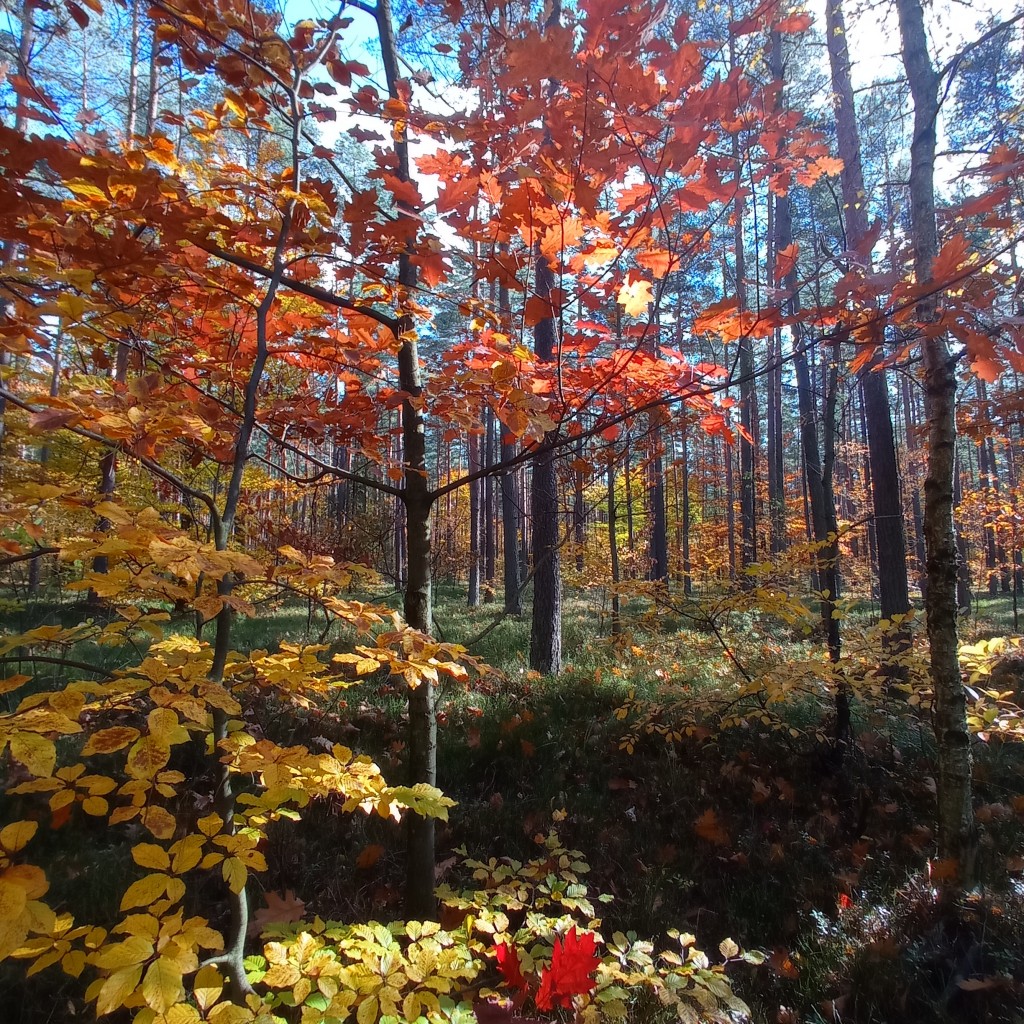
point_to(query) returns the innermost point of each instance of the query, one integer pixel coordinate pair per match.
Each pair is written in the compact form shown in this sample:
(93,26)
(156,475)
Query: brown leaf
(945,870)
(708,827)
(618,784)
(980,984)
(369,856)
(279,910)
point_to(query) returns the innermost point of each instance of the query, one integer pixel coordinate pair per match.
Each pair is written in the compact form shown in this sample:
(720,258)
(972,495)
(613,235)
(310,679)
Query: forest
(509,512)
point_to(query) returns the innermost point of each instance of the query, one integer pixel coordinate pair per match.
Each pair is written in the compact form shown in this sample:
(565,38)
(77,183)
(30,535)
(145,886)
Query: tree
(885,481)
(955,811)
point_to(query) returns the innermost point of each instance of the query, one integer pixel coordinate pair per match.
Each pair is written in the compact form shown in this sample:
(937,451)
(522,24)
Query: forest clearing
(510,512)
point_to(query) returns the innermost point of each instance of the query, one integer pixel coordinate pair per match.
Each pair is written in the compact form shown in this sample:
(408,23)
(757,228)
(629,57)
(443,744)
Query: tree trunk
(658,571)
(817,475)
(579,517)
(748,417)
(890,539)
(546,628)
(489,524)
(509,526)
(957,837)
(475,494)
(418,607)
(687,564)
(613,549)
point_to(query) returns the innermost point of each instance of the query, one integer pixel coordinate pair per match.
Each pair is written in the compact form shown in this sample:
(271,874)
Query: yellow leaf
(36,753)
(28,877)
(207,987)
(136,949)
(234,873)
(160,822)
(106,741)
(187,853)
(147,757)
(367,1012)
(117,988)
(95,805)
(16,836)
(86,190)
(175,889)
(211,824)
(162,988)
(13,683)
(144,891)
(230,1013)
(62,799)
(237,108)
(73,963)
(12,900)
(282,975)
(165,724)
(182,1013)
(149,855)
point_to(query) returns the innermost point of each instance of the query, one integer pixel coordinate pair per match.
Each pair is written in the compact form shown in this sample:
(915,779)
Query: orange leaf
(708,827)
(635,296)
(785,261)
(369,856)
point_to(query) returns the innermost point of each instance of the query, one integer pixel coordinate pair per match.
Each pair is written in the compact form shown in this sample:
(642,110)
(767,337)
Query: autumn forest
(510,512)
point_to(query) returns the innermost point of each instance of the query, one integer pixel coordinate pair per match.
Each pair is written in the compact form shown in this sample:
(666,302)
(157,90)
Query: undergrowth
(761,833)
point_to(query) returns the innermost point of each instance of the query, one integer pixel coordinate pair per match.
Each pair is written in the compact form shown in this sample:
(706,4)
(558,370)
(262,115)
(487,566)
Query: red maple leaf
(573,961)
(508,964)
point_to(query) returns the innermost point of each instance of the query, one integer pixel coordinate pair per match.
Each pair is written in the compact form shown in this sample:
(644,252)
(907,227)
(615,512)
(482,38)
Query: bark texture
(956,832)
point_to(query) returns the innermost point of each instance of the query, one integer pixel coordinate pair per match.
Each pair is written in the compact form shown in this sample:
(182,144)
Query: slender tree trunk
(730,507)
(613,549)
(748,419)
(422,764)
(475,494)
(509,526)
(132,120)
(890,539)
(628,481)
(546,629)
(957,836)
(489,525)
(579,519)
(817,474)
(687,564)
(658,571)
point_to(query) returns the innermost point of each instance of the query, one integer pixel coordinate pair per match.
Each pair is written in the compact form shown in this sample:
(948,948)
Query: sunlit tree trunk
(956,832)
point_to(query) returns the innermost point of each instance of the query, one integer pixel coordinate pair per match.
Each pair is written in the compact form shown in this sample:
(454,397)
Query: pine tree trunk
(475,495)
(509,526)
(613,549)
(687,564)
(658,571)
(546,627)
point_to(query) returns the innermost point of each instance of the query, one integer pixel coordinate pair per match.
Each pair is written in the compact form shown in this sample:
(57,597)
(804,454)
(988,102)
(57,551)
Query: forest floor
(758,832)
